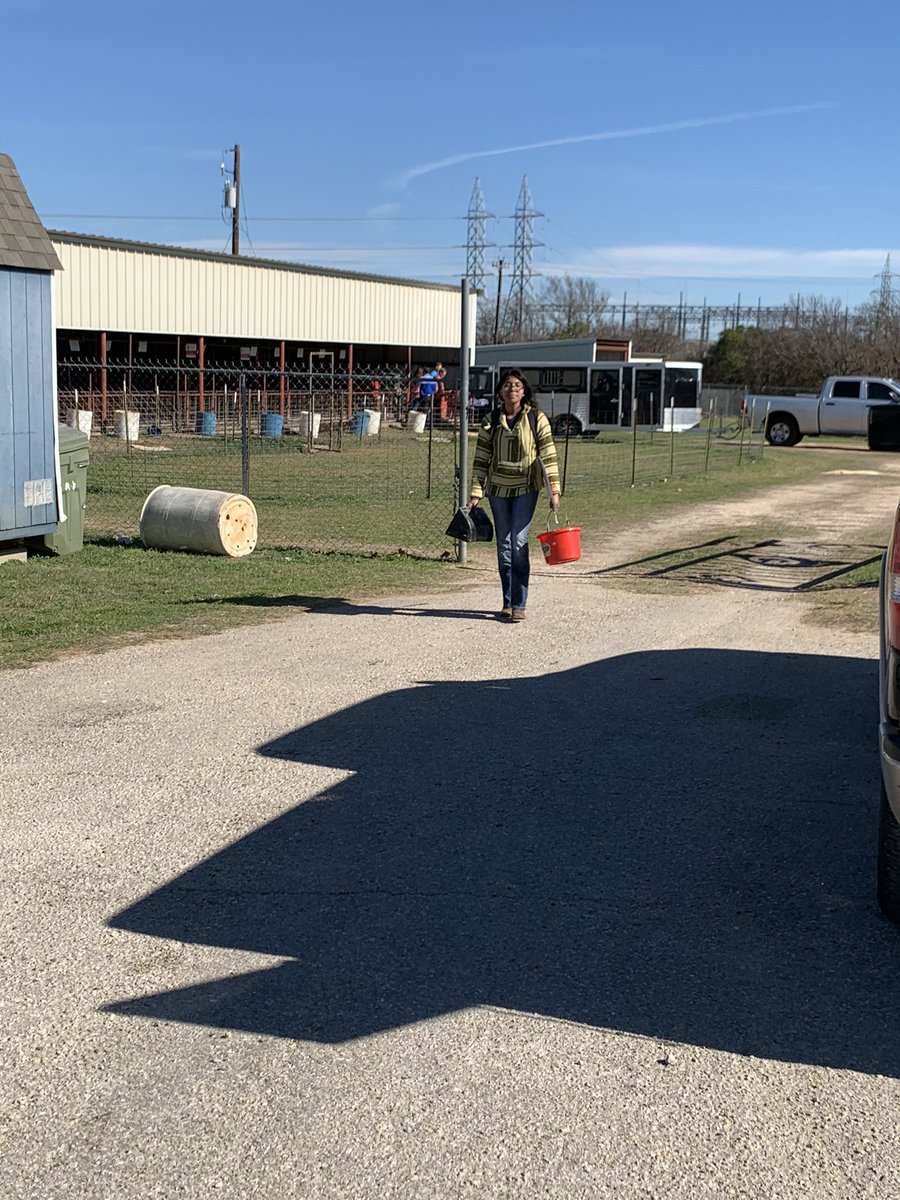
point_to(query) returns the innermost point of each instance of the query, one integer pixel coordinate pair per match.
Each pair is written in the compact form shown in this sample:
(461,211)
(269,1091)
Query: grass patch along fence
(395,491)
(333,461)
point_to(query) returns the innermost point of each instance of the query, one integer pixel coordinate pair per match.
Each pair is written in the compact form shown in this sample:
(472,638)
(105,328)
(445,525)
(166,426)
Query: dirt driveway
(391,900)
(821,540)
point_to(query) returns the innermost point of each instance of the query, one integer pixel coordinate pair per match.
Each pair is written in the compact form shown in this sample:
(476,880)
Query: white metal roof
(111,284)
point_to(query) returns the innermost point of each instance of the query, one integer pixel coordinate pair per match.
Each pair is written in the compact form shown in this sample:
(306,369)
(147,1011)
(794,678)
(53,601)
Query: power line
(170,217)
(264,249)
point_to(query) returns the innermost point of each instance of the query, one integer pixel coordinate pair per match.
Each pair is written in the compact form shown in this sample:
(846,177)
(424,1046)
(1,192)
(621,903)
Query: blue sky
(694,148)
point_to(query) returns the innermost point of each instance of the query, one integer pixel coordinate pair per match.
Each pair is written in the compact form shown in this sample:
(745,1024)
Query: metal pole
(236,215)
(245,439)
(709,429)
(499,265)
(741,445)
(430,443)
(672,437)
(565,469)
(633,435)
(463,409)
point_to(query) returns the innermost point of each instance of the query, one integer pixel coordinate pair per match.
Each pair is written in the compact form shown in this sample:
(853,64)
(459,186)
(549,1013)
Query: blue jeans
(512,520)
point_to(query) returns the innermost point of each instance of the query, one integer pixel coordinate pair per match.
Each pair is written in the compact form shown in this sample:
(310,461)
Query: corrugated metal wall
(27,408)
(126,289)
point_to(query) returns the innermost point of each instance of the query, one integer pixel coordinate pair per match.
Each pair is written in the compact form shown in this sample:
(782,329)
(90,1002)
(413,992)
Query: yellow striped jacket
(506,461)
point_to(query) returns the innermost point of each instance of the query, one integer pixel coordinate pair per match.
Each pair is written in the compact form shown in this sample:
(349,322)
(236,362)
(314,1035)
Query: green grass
(376,494)
(109,594)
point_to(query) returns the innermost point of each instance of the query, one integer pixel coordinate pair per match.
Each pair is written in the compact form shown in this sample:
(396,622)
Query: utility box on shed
(29,473)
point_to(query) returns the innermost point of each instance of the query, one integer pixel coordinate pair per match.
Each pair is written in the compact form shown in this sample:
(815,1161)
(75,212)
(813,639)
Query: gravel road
(391,900)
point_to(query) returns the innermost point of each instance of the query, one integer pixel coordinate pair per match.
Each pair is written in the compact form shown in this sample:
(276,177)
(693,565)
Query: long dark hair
(513,373)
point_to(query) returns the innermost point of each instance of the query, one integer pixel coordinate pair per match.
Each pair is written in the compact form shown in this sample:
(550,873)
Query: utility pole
(499,264)
(236,212)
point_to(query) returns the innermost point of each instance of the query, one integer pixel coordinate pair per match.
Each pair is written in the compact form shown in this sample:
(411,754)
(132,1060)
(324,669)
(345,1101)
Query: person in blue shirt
(427,388)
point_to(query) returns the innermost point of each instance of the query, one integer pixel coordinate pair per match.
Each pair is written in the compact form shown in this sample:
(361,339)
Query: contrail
(610,135)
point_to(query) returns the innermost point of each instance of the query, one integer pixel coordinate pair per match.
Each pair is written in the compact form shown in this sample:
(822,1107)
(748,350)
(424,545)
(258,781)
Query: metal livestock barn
(125,302)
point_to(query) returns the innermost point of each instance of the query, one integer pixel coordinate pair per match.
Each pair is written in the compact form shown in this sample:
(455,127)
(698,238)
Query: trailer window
(604,405)
(562,380)
(481,383)
(683,386)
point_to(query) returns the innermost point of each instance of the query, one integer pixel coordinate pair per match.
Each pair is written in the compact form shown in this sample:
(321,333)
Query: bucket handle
(554,514)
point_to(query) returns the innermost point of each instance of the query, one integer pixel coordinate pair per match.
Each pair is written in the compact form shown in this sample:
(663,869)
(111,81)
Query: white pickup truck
(841,408)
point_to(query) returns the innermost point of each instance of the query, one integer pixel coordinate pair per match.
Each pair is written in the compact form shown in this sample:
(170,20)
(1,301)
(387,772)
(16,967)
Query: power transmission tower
(476,238)
(886,287)
(884,296)
(523,249)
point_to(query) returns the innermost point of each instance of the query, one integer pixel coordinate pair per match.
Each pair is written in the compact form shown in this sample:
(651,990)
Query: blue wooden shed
(29,451)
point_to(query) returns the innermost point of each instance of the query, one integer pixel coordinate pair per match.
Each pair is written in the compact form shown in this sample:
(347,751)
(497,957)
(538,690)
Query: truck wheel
(782,430)
(566,424)
(888,860)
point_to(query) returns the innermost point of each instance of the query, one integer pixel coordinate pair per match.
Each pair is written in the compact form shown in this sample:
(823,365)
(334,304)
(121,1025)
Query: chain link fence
(722,402)
(333,461)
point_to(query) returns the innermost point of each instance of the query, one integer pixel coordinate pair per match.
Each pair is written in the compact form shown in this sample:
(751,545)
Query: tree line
(794,348)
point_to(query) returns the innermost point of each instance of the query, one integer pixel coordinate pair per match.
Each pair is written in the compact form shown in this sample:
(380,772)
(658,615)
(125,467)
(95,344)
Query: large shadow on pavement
(677,844)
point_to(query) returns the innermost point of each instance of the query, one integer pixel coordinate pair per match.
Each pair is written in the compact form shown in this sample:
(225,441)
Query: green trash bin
(73,465)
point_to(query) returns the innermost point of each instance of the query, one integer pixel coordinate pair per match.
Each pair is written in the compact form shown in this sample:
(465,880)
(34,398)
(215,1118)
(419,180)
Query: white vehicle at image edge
(889,729)
(840,409)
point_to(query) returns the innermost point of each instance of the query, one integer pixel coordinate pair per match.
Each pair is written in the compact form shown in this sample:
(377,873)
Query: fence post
(762,433)
(750,418)
(245,439)
(741,443)
(709,429)
(633,437)
(127,422)
(565,469)
(672,437)
(430,444)
(463,409)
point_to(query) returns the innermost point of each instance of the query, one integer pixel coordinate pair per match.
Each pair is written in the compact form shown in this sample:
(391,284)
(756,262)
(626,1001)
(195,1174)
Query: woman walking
(513,442)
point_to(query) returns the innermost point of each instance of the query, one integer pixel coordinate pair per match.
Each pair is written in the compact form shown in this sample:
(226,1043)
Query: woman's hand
(554,501)
(473,502)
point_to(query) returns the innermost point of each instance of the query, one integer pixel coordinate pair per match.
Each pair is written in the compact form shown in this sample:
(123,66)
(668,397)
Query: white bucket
(80,418)
(374,421)
(415,422)
(131,431)
(307,418)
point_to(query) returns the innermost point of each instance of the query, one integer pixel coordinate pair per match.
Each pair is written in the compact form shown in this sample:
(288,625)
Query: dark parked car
(889,731)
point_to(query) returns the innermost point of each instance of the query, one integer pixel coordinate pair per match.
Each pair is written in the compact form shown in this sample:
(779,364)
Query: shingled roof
(24,242)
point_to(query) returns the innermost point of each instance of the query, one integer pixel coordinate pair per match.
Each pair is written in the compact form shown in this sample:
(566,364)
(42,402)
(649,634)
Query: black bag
(484,530)
(471,525)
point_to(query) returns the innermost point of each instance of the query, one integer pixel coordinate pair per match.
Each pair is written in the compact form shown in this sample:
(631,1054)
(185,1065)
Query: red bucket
(561,545)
